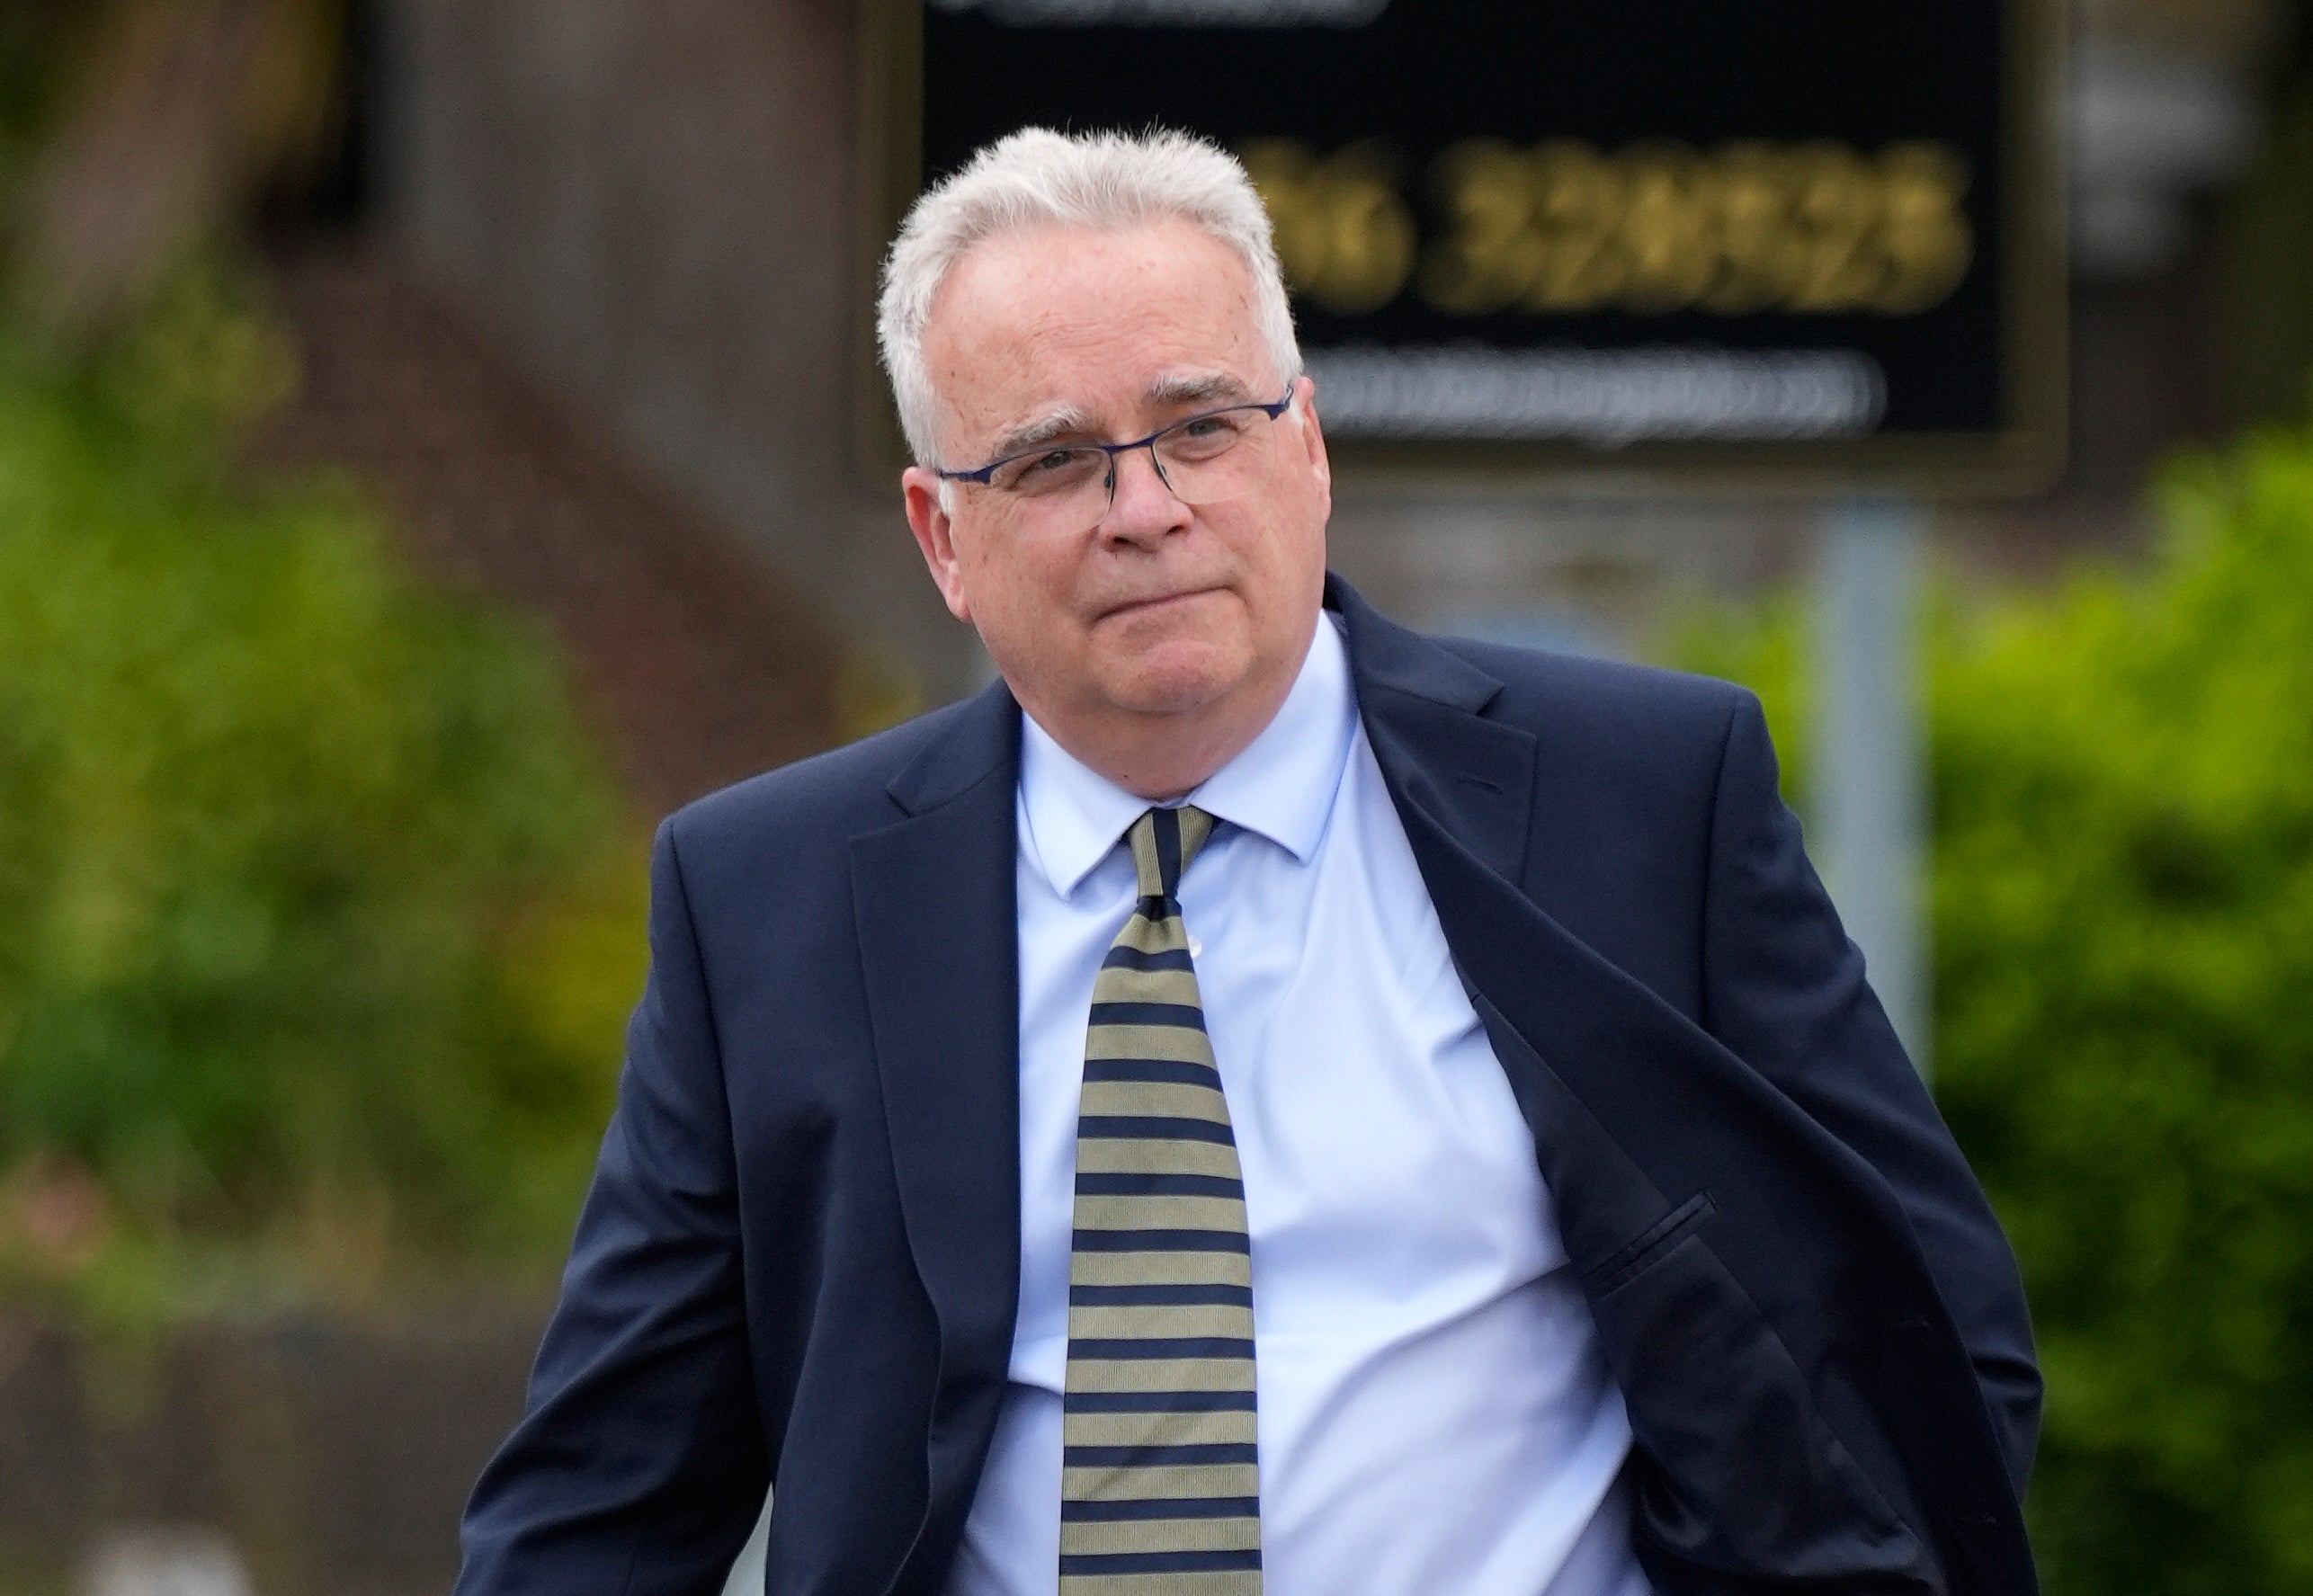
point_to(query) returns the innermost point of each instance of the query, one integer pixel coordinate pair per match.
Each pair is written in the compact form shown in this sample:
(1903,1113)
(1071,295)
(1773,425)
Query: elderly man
(1256,1099)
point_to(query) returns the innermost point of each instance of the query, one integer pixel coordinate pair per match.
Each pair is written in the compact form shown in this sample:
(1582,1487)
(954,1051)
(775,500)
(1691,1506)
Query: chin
(1176,681)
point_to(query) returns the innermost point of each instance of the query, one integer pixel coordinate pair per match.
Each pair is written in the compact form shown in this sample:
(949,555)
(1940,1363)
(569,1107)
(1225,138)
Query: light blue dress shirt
(1434,1417)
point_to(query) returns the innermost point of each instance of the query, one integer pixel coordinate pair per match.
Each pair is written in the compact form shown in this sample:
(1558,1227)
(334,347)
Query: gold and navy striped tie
(1160,1490)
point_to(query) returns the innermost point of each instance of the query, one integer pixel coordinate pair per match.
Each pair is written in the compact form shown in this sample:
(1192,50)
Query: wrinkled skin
(1155,644)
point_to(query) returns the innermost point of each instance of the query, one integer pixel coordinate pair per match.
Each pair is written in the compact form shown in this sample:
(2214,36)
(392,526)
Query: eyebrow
(1196,387)
(1071,421)
(1067,422)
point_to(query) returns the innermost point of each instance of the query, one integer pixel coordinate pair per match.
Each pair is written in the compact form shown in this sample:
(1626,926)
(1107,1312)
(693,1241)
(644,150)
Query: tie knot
(1164,841)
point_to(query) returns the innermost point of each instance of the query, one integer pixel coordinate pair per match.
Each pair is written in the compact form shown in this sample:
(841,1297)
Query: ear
(1313,439)
(936,536)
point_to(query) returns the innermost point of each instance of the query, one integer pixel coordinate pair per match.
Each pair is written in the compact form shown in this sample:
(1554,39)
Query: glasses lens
(1211,458)
(1051,473)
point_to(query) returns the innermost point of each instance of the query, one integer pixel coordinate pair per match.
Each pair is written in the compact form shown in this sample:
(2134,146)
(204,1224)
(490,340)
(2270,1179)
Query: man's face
(1155,609)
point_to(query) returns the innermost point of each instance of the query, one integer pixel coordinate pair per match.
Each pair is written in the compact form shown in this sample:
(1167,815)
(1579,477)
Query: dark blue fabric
(799,1259)
(1160,1507)
(1093,1184)
(1187,1016)
(1181,1456)
(1178,1071)
(1169,1296)
(1092,1563)
(1133,959)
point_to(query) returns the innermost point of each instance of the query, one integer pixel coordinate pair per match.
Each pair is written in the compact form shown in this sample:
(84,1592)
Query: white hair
(1036,176)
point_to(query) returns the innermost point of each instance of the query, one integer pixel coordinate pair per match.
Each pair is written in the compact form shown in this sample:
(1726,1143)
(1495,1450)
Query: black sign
(1753,239)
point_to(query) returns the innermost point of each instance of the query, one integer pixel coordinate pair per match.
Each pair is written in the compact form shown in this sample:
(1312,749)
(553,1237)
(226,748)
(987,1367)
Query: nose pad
(1154,464)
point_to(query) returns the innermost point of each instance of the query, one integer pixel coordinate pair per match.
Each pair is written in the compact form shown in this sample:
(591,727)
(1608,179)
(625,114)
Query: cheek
(1294,545)
(1021,588)
(989,563)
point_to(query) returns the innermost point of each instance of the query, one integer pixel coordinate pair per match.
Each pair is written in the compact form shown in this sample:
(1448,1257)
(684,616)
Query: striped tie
(1160,1489)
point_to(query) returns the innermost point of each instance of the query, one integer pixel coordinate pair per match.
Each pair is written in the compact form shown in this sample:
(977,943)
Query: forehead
(1094,318)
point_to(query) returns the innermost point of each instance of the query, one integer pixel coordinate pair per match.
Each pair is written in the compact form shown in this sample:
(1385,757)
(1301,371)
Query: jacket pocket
(1629,1261)
(1739,1473)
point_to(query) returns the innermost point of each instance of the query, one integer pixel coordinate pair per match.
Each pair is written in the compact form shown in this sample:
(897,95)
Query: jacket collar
(982,736)
(1387,655)
(1425,711)
(980,739)
(1279,786)
(932,900)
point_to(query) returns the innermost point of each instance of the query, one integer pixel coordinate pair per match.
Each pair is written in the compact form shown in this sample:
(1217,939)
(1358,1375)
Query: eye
(1201,437)
(1047,469)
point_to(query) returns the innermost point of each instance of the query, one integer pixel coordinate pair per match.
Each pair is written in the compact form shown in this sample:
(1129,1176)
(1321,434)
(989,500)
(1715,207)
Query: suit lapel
(933,897)
(1647,1131)
(1422,711)
(1463,786)
(1590,1052)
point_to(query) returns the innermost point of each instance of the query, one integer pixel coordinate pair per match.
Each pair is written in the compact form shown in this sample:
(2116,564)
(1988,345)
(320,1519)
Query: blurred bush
(2123,925)
(317,919)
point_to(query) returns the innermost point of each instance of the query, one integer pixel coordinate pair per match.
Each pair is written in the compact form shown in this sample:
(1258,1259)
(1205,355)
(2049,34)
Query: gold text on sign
(1344,237)
(1808,228)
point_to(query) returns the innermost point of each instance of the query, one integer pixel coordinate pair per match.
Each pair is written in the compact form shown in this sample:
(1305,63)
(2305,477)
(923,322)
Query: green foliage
(303,869)
(2123,920)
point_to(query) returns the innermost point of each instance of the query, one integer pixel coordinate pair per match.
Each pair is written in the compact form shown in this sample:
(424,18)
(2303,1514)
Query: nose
(1140,502)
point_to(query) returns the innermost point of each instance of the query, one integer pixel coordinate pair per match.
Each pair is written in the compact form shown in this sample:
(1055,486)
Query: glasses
(1198,459)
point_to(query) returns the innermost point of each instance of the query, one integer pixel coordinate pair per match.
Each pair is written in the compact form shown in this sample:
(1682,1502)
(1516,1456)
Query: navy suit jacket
(799,1257)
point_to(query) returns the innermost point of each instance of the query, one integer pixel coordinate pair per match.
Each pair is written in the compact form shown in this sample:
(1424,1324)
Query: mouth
(1152,604)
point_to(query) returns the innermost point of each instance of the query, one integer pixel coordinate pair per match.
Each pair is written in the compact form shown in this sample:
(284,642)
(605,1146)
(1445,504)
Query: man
(1257,1100)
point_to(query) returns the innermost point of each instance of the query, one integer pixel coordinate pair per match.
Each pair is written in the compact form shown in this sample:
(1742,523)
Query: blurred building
(649,216)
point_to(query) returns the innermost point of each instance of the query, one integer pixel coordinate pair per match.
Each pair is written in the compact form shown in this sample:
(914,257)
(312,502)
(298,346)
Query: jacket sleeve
(639,1465)
(1784,989)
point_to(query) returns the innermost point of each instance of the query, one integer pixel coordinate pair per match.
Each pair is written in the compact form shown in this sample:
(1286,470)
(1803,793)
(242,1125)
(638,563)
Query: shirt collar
(1281,785)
